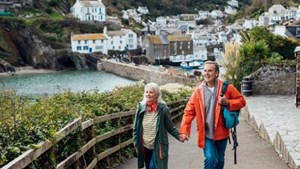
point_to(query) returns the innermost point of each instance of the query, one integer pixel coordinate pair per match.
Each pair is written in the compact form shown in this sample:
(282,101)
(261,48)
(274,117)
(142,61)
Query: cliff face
(20,45)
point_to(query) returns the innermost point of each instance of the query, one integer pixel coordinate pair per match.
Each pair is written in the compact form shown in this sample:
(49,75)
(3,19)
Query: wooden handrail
(26,158)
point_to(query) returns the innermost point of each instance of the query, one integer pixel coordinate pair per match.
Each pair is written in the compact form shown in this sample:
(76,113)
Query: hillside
(156,7)
(47,24)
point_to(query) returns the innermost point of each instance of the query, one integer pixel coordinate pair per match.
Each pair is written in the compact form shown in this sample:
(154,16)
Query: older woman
(151,124)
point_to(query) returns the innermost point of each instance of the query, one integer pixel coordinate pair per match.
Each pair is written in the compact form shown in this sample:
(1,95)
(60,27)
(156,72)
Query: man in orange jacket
(205,104)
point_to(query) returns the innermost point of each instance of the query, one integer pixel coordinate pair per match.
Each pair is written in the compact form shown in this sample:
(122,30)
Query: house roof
(236,26)
(179,38)
(115,33)
(87,3)
(91,36)
(158,40)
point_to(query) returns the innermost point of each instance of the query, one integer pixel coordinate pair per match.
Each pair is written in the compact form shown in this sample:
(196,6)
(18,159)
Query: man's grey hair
(214,63)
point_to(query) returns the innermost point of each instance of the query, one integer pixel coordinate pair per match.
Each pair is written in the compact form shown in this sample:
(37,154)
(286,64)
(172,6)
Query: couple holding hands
(153,122)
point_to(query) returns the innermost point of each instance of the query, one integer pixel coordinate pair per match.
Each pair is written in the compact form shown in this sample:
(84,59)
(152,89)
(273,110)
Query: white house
(132,13)
(124,39)
(280,30)
(222,37)
(298,13)
(250,23)
(218,53)
(200,52)
(205,39)
(264,19)
(161,20)
(191,24)
(230,10)
(88,43)
(291,13)
(216,14)
(233,3)
(89,10)
(143,10)
(277,13)
(203,14)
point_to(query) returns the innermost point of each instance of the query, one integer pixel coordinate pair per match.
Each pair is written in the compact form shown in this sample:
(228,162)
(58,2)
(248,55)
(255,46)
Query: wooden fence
(176,110)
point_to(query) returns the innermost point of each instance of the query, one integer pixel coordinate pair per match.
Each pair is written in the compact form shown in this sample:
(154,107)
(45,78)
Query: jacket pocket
(163,150)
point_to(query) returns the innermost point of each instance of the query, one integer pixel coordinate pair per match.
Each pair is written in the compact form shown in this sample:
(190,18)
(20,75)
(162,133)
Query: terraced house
(122,40)
(170,49)
(89,43)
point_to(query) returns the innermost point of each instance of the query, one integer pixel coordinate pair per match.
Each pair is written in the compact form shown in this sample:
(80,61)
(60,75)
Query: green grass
(56,16)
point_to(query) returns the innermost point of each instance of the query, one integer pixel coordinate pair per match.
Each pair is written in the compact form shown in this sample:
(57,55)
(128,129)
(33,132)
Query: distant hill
(167,7)
(156,7)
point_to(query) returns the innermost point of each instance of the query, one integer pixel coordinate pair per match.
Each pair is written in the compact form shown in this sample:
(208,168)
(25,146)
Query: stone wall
(274,80)
(148,74)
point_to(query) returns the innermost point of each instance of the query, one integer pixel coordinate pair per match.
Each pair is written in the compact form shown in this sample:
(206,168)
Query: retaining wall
(274,80)
(147,73)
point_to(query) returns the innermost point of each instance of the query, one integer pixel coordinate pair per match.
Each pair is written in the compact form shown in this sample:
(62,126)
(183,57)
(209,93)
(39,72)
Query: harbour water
(35,85)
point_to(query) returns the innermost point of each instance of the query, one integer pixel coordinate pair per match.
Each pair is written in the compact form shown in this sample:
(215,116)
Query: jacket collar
(143,107)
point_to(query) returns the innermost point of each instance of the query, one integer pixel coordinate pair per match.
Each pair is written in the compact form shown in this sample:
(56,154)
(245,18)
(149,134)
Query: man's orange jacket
(196,108)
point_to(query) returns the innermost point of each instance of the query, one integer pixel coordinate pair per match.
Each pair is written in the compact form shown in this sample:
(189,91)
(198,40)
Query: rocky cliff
(21,45)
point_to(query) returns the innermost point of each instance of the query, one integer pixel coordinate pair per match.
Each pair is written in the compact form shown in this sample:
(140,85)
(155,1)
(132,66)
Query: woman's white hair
(156,89)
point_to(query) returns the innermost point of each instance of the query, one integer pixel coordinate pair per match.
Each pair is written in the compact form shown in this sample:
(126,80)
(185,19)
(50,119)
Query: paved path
(253,151)
(277,120)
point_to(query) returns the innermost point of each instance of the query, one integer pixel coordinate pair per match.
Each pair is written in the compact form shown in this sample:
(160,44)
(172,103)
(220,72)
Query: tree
(252,53)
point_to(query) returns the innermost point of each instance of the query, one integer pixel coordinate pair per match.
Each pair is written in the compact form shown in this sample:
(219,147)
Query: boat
(191,65)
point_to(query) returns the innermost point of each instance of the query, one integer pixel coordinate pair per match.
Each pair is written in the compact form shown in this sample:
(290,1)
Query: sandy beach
(27,70)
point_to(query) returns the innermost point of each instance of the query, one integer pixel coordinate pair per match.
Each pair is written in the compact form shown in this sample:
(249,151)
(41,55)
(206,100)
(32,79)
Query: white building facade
(89,10)
(89,43)
(122,40)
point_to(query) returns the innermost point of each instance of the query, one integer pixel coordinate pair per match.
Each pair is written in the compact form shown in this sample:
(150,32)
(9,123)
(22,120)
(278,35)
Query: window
(130,35)
(94,41)
(120,41)
(112,42)
(85,48)
(85,42)
(78,48)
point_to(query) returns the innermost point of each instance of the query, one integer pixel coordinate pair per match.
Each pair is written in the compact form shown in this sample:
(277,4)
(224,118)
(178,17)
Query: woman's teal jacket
(161,143)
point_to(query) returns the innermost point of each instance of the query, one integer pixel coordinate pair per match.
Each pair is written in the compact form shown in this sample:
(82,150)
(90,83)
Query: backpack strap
(224,87)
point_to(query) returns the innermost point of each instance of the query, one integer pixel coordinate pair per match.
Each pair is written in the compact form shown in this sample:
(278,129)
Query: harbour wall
(159,75)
